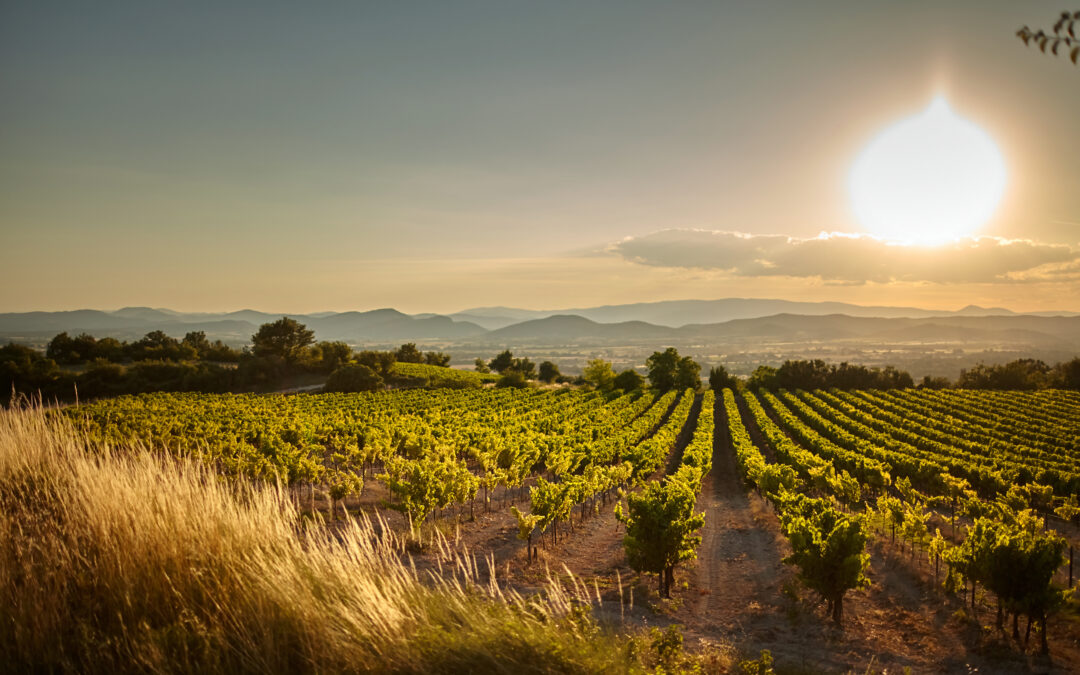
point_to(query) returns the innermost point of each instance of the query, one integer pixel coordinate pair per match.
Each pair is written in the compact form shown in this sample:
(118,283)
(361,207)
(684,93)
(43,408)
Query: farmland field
(924,492)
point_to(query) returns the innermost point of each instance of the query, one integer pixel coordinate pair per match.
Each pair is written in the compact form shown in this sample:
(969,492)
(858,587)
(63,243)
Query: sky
(436,156)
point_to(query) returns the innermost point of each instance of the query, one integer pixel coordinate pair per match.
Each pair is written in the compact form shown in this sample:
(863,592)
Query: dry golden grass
(121,559)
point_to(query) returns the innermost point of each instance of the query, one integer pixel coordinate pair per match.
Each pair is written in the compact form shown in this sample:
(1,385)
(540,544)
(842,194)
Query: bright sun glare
(927,179)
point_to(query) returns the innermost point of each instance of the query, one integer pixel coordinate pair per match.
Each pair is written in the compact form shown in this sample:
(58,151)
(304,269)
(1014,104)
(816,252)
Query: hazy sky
(443,155)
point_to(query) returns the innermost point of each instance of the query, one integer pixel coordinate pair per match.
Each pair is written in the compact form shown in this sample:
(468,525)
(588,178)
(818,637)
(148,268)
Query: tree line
(1021,374)
(280,351)
(666,370)
(286,351)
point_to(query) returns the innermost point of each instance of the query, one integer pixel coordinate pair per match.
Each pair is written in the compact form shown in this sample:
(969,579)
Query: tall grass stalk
(122,559)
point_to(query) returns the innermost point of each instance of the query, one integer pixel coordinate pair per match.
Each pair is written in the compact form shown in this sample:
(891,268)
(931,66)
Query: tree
(70,350)
(110,349)
(719,379)
(408,353)
(381,362)
(687,374)
(196,339)
(332,355)
(524,366)
(932,382)
(1067,374)
(481,366)
(437,359)
(763,377)
(157,345)
(285,339)
(353,377)
(1064,33)
(599,373)
(549,372)
(803,375)
(662,368)
(629,380)
(62,349)
(1019,374)
(503,362)
(219,351)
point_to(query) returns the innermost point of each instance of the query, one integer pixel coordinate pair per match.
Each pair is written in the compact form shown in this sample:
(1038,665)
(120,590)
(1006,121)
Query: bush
(629,380)
(354,377)
(512,378)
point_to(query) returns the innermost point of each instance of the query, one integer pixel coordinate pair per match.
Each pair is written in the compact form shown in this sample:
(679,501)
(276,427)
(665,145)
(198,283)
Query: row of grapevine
(817,470)
(434,448)
(1006,548)
(661,524)
(828,545)
(925,454)
(621,458)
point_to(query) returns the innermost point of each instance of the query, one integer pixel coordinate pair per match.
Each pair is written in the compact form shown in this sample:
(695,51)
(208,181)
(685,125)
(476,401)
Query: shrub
(354,377)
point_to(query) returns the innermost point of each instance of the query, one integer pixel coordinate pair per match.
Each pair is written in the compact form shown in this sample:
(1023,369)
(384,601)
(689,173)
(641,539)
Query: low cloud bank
(846,258)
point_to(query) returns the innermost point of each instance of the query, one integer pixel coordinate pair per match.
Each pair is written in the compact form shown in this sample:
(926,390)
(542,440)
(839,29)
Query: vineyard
(947,518)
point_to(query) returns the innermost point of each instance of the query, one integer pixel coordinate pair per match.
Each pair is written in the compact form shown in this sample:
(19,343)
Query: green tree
(503,362)
(934,382)
(481,366)
(158,345)
(549,372)
(70,350)
(285,339)
(663,367)
(329,356)
(62,349)
(719,379)
(437,359)
(687,374)
(763,377)
(1067,374)
(629,380)
(219,351)
(196,339)
(524,366)
(408,353)
(381,362)
(599,373)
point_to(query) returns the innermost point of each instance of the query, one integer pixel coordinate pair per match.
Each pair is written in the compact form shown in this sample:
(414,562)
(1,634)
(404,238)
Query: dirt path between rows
(734,591)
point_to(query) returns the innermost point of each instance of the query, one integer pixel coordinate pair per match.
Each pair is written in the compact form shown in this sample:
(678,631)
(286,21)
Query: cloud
(850,259)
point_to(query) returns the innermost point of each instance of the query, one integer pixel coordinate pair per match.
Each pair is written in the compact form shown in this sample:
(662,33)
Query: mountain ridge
(486,325)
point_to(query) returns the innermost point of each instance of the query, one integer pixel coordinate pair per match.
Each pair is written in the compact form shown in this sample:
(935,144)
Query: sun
(927,179)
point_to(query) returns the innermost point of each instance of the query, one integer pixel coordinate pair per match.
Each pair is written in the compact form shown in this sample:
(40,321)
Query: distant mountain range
(732,319)
(373,326)
(1062,332)
(676,313)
